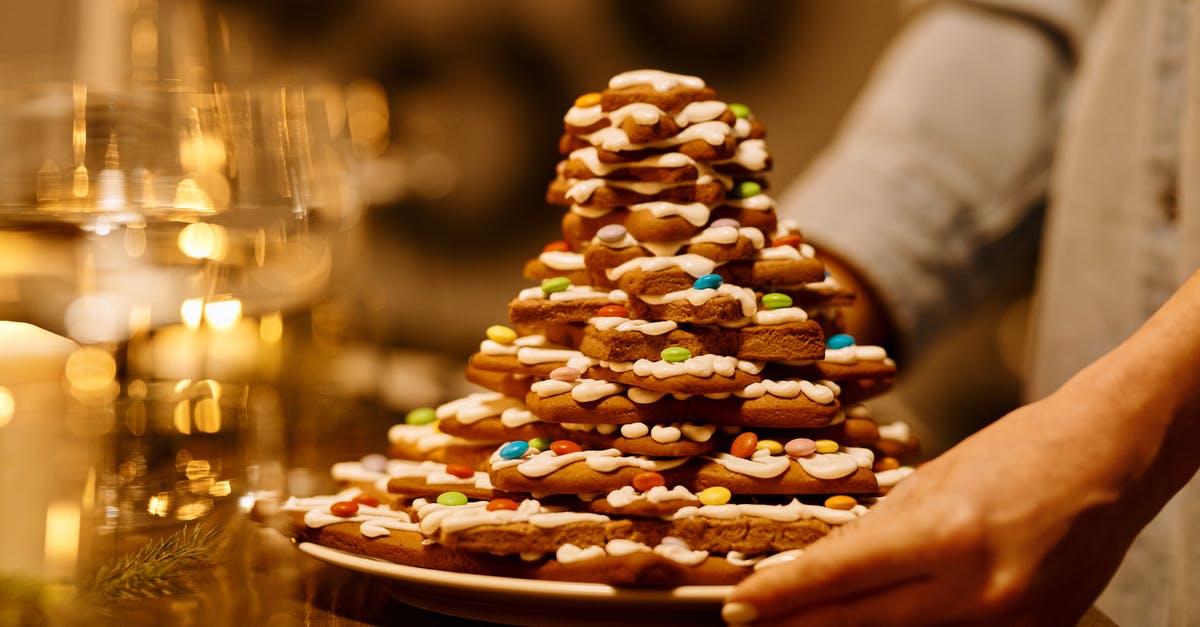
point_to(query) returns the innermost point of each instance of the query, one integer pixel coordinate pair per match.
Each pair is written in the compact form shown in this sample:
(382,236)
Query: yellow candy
(841,501)
(715,495)
(827,446)
(772,446)
(501,334)
(588,100)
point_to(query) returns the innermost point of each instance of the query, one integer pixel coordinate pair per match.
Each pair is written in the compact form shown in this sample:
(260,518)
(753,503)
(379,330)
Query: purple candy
(565,373)
(611,234)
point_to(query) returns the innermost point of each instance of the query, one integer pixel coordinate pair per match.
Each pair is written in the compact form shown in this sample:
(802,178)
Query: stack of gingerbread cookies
(671,402)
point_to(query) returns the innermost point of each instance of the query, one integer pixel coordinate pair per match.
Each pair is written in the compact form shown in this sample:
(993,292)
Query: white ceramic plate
(534,602)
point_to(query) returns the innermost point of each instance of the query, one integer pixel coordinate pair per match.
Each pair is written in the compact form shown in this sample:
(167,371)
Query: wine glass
(159,237)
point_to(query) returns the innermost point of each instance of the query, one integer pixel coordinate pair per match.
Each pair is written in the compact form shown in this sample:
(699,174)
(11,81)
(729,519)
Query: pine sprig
(159,568)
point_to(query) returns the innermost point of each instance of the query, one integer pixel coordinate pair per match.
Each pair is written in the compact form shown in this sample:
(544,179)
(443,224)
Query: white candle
(32,361)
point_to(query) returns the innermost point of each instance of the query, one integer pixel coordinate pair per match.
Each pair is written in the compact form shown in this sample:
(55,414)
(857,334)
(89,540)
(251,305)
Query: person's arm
(1024,522)
(928,189)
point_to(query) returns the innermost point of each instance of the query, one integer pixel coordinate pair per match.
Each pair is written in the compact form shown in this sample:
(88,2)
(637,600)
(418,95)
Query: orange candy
(841,501)
(559,246)
(498,504)
(646,480)
(588,100)
(563,447)
(886,463)
(366,499)
(787,240)
(344,509)
(614,311)
(462,471)
(744,445)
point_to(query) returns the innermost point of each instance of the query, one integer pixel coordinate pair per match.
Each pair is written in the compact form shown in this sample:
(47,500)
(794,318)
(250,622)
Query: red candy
(563,447)
(462,471)
(646,480)
(744,445)
(366,499)
(345,509)
(498,504)
(559,246)
(787,240)
(613,311)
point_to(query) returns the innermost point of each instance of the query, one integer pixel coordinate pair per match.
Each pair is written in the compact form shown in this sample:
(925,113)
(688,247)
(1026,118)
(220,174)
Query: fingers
(870,557)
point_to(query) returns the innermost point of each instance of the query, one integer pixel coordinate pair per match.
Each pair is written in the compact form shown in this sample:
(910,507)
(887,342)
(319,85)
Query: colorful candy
(841,340)
(555,284)
(800,447)
(501,334)
(776,300)
(374,462)
(564,447)
(613,311)
(453,498)
(646,480)
(771,446)
(501,504)
(559,246)
(746,189)
(885,463)
(420,416)
(841,501)
(720,222)
(739,109)
(590,99)
(744,444)
(611,233)
(345,509)
(826,446)
(462,471)
(790,239)
(716,495)
(708,282)
(540,443)
(513,450)
(675,354)
(565,373)
(366,499)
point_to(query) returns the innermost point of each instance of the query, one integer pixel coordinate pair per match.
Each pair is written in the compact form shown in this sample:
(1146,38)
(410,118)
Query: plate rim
(511,585)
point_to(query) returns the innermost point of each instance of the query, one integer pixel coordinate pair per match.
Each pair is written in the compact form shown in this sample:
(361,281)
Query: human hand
(1021,524)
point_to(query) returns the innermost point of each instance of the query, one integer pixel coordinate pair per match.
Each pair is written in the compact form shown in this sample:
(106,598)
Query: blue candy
(513,450)
(708,281)
(841,340)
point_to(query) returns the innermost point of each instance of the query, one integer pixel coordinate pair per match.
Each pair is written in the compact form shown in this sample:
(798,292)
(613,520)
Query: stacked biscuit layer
(673,396)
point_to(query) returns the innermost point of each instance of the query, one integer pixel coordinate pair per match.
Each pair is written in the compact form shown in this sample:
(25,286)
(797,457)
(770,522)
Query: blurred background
(449,114)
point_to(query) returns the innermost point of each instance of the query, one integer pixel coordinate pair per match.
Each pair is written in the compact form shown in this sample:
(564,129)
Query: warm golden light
(202,241)
(197,468)
(220,488)
(202,153)
(207,415)
(189,197)
(367,115)
(192,511)
(160,504)
(183,417)
(192,312)
(62,536)
(223,314)
(270,328)
(91,369)
(79,182)
(8,406)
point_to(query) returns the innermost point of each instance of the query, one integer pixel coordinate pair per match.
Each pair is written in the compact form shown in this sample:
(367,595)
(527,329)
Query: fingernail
(737,612)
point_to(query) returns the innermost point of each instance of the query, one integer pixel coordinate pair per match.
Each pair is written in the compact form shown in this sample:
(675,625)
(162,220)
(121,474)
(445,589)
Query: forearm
(942,157)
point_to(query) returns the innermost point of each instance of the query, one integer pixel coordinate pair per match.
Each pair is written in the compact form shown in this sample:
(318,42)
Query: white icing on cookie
(657,79)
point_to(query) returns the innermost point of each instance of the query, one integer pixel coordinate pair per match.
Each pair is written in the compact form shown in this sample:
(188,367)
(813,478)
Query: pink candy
(565,373)
(799,447)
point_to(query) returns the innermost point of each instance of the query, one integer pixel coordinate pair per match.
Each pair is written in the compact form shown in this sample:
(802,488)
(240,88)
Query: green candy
(452,498)
(676,353)
(775,300)
(420,416)
(540,443)
(739,109)
(746,189)
(556,284)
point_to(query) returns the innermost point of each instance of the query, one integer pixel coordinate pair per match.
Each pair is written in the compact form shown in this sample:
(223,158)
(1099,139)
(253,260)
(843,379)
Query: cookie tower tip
(673,385)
